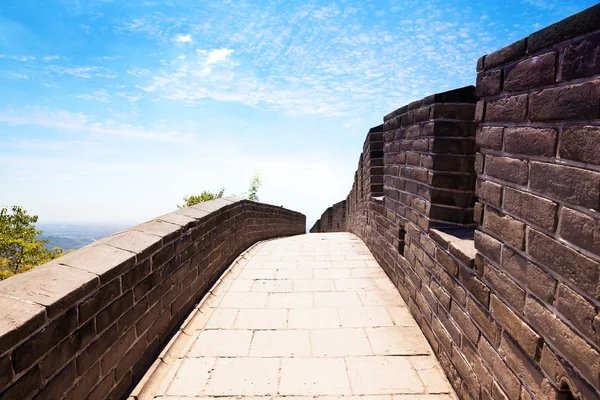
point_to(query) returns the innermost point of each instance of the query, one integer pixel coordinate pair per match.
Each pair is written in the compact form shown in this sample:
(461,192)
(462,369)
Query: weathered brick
(43,341)
(530,141)
(18,320)
(580,58)
(134,275)
(506,54)
(515,326)
(486,323)
(578,310)
(24,387)
(530,73)
(581,143)
(507,169)
(117,350)
(59,384)
(479,163)
(489,192)
(103,387)
(67,349)
(446,261)
(507,228)
(527,371)
(6,370)
(574,185)
(488,246)
(99,300)
(475,286)
(96,349)
(480,111)
(532,208)
(570,102)
(556,333)
(505,286)
(489,137)
(570,264)
(507,379)
(507,109)
(489,83)
(535,280)
(465,323)
(113,311)
(580,229)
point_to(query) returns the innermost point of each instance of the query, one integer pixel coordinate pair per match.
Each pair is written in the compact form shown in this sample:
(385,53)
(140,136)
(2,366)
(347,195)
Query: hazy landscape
(74,236)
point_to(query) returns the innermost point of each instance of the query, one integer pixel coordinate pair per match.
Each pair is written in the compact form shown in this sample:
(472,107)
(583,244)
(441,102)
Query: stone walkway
(311,315)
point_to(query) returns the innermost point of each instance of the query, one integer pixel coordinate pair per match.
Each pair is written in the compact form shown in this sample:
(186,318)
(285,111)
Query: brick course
(512,310)
(87,325)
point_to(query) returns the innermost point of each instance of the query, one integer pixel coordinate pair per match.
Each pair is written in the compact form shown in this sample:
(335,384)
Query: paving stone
(336,299)
(244,376)
(364,317)
(281,343)
(383,375)
(398,341)
(340,342)
(223,343)
(261,319)
(313,318)
(314,376)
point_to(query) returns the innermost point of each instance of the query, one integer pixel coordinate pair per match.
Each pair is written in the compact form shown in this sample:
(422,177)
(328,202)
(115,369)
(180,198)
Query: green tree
(255,183)
(20,247)
(204,196)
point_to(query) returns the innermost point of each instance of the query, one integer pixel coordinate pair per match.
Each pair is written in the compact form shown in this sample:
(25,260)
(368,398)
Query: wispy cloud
(17,57)
(50,58)
(87,124)
(85,72)
(18,76)
(98,95)
(138,72)
(183,38)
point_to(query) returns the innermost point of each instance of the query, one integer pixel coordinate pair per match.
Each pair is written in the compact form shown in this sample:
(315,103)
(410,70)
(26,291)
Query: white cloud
(17,57)
(183,38)
(50,58)
(87,124)
(218,55)
(98,95)
(85,72)
(18,76)
(138,72)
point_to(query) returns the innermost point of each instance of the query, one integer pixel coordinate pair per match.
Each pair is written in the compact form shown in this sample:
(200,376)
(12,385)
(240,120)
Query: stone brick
(6,370)
(486,323)
(489,83)
(560,374)
(40,343)
(574,185)
(488,246)
(581,143)
(478,213)
(580,229)
(117,350)
(67,349)
(59,384)
(24,387)
(134,275)
(578,310)
(51,285)
(515,326)
(531,73)
(489,137)
(506,54)
(577,268)
(535,280)
(18,320)
(103,387)
(507,228)
(446,261)
(465,323)
(575,25)
(479,163)
(581,58)
(496,365)
(113,311)
(532,208)
(505,286)
(527,371)
(530,141)
(96,349)
(162,256)
(475,286)
(557,334)
(489,192)
(99,300)
(570,102)
(480,111)
(140,243)
(106,261)
(507,109)
(507,169)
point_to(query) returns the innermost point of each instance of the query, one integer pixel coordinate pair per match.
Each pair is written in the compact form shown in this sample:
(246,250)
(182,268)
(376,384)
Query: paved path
(312,316)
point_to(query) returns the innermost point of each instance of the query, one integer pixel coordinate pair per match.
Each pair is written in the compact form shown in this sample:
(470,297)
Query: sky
(113,111)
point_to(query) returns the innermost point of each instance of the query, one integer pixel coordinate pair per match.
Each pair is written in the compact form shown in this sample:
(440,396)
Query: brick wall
(332,220)
(87,325)
(494,245)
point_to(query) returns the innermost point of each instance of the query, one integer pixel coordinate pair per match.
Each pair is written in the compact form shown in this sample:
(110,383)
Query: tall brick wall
(332,220)
(505,284)
(87,325)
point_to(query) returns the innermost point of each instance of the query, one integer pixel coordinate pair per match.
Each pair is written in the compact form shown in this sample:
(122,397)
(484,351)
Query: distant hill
(75,236)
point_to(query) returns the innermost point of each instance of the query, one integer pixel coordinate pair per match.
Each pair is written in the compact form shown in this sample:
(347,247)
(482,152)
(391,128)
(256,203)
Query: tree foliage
(202,197)
(255,184)
(20,247)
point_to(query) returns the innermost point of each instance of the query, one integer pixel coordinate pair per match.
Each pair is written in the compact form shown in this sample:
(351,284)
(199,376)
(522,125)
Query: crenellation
(510,301)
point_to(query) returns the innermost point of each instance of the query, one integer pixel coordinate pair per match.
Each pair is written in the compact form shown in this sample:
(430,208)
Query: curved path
(307,316)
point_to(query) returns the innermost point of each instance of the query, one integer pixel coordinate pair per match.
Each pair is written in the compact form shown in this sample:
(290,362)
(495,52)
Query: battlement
(88,325)
(488,222)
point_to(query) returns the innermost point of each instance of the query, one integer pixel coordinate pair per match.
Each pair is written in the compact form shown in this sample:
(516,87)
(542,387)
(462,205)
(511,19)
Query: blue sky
(112,111)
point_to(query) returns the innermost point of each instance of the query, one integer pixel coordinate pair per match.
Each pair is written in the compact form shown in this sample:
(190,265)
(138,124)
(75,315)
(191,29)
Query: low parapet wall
(87,325)
(489,223)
